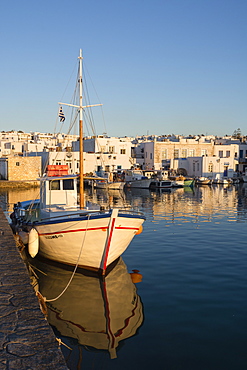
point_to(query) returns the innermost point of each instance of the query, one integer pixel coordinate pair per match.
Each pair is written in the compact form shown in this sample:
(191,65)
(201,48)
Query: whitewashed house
(205,166)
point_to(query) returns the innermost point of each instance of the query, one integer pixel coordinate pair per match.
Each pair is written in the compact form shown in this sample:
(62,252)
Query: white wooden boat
(137,179)
(203,181)
(161,184)
(221,180)
(63,231)
(166,184)
(109,185)
(97,313)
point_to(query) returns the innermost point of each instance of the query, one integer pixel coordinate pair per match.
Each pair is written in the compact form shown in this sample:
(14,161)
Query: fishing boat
(189,182)
(203,181)
(166,184)
(97,313)
(58,228)
(162,184)
(137,179)
(109,185)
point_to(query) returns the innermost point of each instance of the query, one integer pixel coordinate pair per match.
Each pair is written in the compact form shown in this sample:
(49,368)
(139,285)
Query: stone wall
(24,168)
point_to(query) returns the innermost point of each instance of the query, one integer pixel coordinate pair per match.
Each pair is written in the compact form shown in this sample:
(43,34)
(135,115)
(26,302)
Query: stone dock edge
(5,184)
(26,339)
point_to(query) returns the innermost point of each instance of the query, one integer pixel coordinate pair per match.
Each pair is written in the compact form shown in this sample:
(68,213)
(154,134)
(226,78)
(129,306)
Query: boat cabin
(58,191)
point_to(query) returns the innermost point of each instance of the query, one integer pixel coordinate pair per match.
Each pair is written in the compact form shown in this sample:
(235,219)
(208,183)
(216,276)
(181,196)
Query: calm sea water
(189,311)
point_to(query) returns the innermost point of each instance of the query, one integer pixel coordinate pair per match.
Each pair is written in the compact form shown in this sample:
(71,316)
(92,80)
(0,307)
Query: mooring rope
(73,274)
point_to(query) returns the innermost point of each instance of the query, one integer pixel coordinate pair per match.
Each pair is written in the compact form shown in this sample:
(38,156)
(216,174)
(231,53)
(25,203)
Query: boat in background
(219,179)
(161,184)
(104,184)
(165,184)
(203,181)
(189,182)
(137,179)
(97,313)
(59,229)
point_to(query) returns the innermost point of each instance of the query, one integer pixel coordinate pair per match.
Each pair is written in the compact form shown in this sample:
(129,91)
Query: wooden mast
(81,133)
(81,107)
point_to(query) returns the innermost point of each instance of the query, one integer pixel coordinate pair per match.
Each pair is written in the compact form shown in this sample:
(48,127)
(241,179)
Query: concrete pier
(26,339)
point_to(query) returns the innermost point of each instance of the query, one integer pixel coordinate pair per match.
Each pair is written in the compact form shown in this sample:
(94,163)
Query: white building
(205,166)
(92,162)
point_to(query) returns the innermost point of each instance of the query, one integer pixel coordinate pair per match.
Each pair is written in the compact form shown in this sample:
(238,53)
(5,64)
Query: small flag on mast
(61,115)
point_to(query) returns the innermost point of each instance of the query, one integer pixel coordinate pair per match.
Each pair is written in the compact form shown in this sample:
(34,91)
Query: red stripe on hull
(89,229)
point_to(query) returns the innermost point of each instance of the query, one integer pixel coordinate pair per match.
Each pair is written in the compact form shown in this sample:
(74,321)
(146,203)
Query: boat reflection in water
(97,312)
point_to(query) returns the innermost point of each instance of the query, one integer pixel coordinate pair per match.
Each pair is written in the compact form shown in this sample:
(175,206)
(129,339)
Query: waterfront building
(205,166)
(148,152)
(161,154)
(18,168)
(93,163)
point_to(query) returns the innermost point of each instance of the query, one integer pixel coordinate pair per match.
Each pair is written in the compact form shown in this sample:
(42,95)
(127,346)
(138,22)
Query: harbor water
(186,304)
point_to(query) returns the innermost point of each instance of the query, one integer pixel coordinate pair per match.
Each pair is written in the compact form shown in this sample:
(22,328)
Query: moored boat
(113,185)
(137,179)
(59,229)
(165,184)
(203,181)
(189,182)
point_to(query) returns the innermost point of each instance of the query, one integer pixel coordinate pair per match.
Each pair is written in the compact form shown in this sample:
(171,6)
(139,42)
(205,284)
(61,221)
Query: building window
(122,151)
(204,152)
(17,164)
(210,167)
(111,149)
(102,149)
(221,153)
(184,153)
(107,168)
(194,167)
(191,153)
(164,154)
(176,153)
(228,153)
(151,155)
(198,166)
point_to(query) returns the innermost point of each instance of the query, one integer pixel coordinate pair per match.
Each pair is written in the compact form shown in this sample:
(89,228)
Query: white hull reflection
(97,312)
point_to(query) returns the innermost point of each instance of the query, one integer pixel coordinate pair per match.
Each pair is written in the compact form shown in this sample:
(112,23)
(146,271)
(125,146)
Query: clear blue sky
(159,66)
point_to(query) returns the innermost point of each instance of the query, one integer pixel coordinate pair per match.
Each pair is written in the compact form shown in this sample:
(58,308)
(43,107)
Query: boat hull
(203,181)
(189,182)
(141,184)
(89,242)
(110,186)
